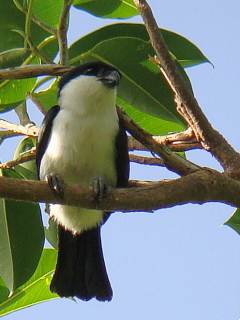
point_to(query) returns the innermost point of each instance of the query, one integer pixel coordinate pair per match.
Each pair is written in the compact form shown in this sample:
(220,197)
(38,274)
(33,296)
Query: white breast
(81,148)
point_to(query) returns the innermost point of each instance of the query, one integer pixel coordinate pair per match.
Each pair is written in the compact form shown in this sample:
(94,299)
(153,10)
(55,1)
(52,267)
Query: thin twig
(31,130)
(62,32)
(133,144)
(37,52)
(28,21)
(180,141)
(187,105)
(28,156)
(171,160)
(31,71)
(146,160)
(31,154)
(22,114)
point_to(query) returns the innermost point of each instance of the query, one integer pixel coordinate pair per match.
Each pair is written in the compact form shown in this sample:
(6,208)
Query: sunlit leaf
(119,9)
(21,239)
(234,221)
(47,98)
(140,87)
(13,57)
(185,51)
(48,11)
(14,92)
(35,290)
(12,28)
(26,169)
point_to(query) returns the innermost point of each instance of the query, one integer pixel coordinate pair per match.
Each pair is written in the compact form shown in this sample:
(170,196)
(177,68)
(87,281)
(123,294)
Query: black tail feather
(80,269)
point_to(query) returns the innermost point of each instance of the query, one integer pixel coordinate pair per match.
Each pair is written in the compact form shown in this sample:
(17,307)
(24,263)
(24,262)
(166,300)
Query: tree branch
(23,115)
(180,141)
(150,161)
(187,105)
(31,71)
(198,187)
(31,131)
(28,156)
(171,160)
(31,154)
(62,32)
(133,144)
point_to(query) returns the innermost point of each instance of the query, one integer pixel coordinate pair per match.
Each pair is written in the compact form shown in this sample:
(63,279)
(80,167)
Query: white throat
(86,94)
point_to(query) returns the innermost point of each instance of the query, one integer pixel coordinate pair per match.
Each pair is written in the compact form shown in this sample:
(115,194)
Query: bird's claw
(56,184)
(99,187)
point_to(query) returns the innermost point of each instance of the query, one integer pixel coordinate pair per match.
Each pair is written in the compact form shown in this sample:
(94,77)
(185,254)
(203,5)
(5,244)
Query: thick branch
(189,108)
(171,160)
(31,71)
(199,187)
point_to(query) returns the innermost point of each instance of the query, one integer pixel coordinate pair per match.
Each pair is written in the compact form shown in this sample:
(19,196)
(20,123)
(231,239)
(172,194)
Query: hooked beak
(110,79)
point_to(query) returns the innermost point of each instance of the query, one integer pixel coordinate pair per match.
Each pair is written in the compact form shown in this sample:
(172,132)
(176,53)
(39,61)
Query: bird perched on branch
(82,141)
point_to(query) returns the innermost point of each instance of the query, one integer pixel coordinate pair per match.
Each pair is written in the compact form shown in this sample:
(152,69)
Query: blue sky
(178,263)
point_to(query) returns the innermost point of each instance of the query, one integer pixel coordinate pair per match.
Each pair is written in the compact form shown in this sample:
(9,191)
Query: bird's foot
(56,184)
(100,188)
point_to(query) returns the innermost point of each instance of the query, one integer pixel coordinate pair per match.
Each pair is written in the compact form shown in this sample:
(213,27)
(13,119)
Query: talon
(56,184)
(99,187)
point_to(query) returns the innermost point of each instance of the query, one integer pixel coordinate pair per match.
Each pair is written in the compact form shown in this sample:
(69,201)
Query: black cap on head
(109,75)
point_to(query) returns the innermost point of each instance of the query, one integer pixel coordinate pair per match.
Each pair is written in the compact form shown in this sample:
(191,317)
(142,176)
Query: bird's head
(93,83)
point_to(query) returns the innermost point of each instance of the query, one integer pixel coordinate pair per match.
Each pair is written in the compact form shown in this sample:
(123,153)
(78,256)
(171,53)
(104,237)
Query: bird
(83,141)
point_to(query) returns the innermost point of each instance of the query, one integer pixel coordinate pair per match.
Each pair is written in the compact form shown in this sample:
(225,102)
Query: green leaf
(12,91)
(150,123)
(185,51)
(47,98)
(234,221)
(140,87)
(12,29)
(118,9)
(48,11)
(27,169)
(4,292)
(35,290)
(11,19)
(21,239)
(13,57)
(8,107)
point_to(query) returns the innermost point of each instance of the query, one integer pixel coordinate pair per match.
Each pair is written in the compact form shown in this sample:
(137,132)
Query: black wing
(122,157)
(44,135)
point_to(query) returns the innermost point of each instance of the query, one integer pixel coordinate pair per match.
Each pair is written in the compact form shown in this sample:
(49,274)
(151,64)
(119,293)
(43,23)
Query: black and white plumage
(82,141)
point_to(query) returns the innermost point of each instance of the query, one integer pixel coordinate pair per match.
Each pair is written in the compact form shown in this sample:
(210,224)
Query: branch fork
(210,139)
